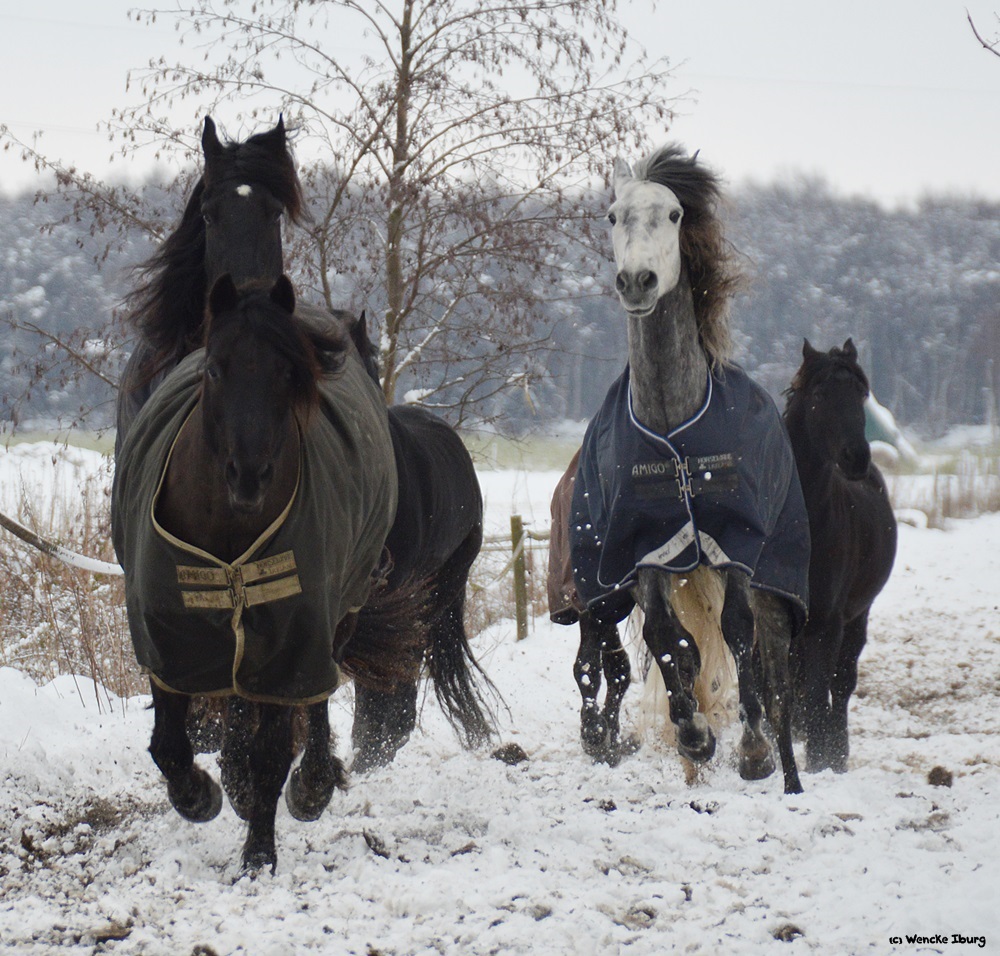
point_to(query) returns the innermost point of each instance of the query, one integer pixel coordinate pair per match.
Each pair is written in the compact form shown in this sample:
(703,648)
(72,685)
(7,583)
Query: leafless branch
(993,47)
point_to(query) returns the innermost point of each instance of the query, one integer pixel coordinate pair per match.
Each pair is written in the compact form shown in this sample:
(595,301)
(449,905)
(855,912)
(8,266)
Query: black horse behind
(431,546)
(853,533)
(231,225)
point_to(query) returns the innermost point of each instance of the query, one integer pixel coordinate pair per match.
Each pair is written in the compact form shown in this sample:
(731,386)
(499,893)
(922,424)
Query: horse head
(645,233)
(260,380)
(247,187)
(833,390)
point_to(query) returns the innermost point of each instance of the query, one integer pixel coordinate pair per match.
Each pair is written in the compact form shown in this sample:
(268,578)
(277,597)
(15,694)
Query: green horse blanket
(263,627)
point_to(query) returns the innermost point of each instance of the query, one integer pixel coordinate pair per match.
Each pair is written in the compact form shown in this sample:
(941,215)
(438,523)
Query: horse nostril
(264,473)
(620,282)
(232,472)
(647,280)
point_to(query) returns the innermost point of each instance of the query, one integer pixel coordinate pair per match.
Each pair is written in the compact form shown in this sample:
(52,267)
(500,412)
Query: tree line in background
(457,199)
(918,289)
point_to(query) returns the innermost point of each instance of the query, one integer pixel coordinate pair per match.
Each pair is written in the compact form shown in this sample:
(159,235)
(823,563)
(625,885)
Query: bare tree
(454,142)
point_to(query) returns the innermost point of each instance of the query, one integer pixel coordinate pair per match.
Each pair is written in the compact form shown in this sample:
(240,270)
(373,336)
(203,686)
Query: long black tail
(459,680)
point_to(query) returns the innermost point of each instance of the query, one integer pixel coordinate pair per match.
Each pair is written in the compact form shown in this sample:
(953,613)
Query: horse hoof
(617,749)
(202,803)
(595,747)
(371,757)
(817,763)
(757,766)
(256,862)
(594,734)
(695,739)
(629,744)
(305,803)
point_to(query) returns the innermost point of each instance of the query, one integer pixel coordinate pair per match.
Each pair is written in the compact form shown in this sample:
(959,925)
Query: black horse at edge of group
(853,533)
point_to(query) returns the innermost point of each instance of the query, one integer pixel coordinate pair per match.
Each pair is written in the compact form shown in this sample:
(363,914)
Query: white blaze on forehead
(643,236)
(243,191)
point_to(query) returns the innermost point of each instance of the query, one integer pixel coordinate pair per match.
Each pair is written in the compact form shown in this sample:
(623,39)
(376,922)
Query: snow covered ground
(454,852)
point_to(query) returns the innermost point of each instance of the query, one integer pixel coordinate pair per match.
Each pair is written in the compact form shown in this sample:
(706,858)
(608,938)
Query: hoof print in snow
(510,754)
(940,777)
(787,932)
(376,844)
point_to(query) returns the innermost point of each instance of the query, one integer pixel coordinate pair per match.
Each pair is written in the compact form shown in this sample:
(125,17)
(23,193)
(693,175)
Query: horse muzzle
(638,291)
(248,485)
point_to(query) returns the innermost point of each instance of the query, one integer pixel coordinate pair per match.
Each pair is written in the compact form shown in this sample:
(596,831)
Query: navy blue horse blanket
(720,490)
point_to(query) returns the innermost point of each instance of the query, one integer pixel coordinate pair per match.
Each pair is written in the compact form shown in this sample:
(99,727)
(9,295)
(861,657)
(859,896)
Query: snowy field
(449,852)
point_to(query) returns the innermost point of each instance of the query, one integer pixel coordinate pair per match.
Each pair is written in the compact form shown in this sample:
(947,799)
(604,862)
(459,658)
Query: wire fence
(516,544)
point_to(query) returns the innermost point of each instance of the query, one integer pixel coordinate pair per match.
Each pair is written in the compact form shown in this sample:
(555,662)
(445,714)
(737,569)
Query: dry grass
(490,597)
(963,486)
(61,620)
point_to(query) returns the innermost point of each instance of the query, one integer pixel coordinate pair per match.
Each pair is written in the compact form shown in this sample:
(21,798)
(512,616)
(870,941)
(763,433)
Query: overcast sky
(889,99)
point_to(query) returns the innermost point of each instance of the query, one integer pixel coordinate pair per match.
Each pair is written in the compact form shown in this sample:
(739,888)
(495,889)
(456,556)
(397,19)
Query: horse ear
(224,295)
(850,350)
(283,295)
(273,139)
(807,350)
(210,145)
(622,174)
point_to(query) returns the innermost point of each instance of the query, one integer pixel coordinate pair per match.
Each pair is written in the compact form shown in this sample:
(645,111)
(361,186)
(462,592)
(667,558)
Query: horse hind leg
(192,792)
(773,632)
(383,722)
(319,773)
(270,761)
(600,652)
(618,676)
(675,653)
(755,758)
(587,671)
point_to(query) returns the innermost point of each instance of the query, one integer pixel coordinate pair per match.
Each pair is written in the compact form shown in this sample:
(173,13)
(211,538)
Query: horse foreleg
(270,760)
(234,760)
(756,760)
(845,680)
(319,772)
(675,653)
(193,793)
(773,630)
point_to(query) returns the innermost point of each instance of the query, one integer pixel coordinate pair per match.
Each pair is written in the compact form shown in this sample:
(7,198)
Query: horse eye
(675,216)
(612,218)
(207,218)
(213,372)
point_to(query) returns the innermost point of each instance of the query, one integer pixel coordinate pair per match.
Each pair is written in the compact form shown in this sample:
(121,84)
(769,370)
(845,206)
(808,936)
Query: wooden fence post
(517,538)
